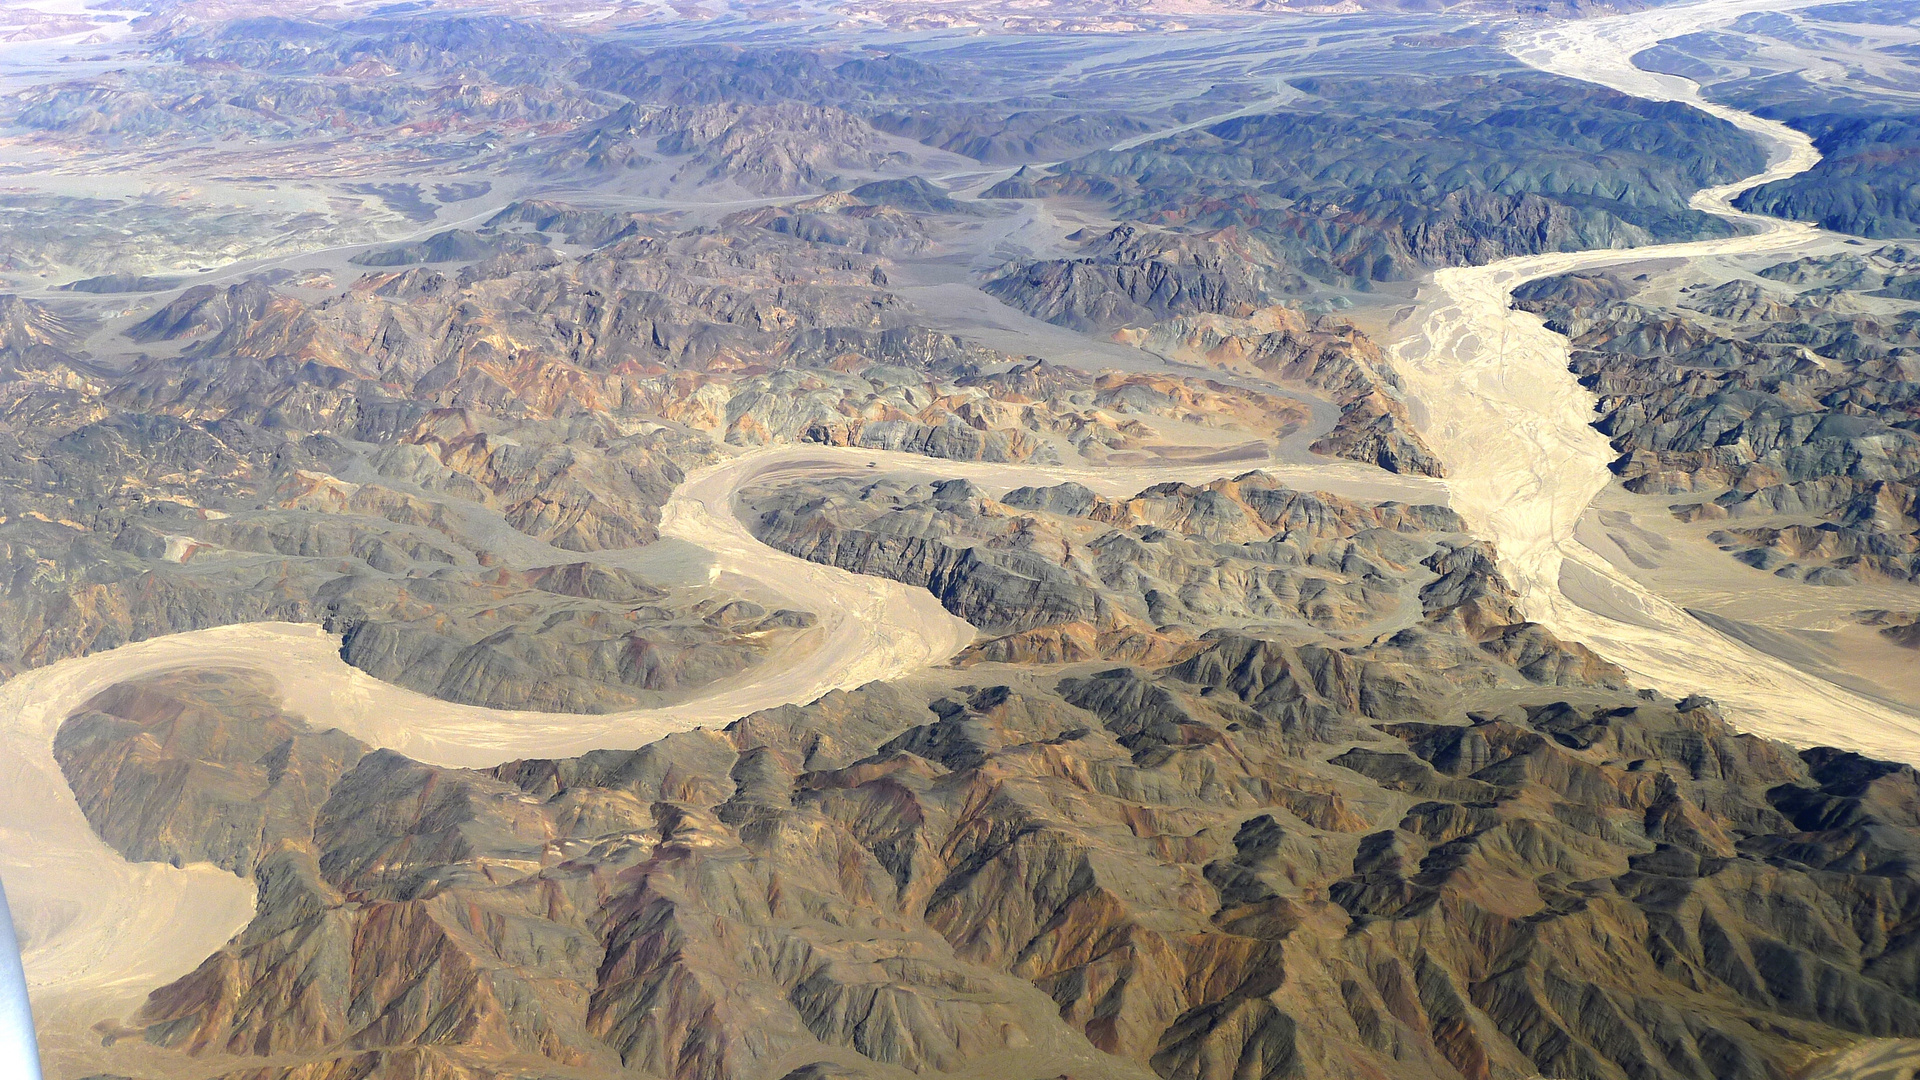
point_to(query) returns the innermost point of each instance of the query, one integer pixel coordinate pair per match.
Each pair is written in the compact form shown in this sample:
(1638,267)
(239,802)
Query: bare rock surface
(1373,180)
(1785,398)
(485,338)
(1326,356)
(1061,574)
(1253,853)
(200,766)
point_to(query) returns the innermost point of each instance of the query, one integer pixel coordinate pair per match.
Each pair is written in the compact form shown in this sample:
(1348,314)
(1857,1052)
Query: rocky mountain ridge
(408,321)
(976,868)
(1786,398)
(1369,182)
(1326,356)
(1059,574)
(392,461)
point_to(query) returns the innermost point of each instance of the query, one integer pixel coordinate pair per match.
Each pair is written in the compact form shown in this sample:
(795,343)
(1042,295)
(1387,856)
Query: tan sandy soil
(1514,426)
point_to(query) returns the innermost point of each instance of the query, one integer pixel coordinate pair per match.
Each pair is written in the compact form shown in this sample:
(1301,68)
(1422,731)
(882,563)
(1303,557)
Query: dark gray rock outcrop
(1784,406)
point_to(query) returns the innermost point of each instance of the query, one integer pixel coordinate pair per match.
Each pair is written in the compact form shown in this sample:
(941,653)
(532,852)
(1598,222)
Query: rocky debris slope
(1265,856)
(1326,356)
(199,766)
(320,94)
(411,90)
(762,331)
(842,220)
(1029,411)
(1059,574)
(454,245)
(394,461)
(1373,180)
(1000,136)
(34,338)
(137,507)
(1786,398)
(1900,627)
(1135,275)
(1865,126)
(1129,16)
(433,619)
(573,638)
(1245,782)
(640,301)
(780,148)
(1864,183)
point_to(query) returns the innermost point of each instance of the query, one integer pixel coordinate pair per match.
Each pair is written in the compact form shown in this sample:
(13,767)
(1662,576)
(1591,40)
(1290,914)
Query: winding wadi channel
(1525,461)
(1515,432)
(86,914)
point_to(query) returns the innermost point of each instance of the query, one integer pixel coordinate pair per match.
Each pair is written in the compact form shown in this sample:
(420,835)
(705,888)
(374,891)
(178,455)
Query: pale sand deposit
(1516,433)
(90,918)
(1514,428)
